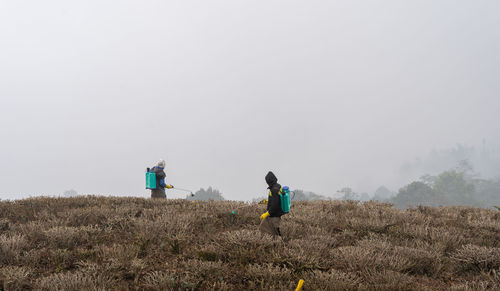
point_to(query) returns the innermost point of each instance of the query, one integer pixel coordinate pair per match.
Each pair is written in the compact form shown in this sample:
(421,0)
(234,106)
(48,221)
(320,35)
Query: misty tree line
(456,182)
(459,179)
(452,187)
(460,185)
(484,161)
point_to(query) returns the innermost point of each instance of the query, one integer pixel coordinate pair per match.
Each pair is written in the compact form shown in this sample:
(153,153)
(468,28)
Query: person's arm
(162,176)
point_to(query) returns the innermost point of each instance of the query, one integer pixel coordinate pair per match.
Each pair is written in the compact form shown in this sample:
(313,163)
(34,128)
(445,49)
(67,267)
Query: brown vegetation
(101,243)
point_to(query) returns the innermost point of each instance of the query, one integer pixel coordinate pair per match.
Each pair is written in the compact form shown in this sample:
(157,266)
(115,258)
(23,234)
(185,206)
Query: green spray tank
(286,201)
(150,179)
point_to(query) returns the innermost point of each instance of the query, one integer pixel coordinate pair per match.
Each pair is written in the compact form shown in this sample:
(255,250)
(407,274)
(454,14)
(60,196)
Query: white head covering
(161,163)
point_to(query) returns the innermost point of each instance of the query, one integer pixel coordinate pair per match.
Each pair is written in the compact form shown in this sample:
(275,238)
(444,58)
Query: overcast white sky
(326,94)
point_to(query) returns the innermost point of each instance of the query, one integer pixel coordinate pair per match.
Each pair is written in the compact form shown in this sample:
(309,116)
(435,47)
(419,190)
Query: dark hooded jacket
(274,200)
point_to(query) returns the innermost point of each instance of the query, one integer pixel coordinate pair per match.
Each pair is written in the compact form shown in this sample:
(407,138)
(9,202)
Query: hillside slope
(103,243)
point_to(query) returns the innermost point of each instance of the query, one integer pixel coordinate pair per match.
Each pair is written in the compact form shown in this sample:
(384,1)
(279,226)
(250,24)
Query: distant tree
(453,189)
(382,194)
(301,195)
(416,193)
(428,179)
(487,192)
(469,160)
(348,194)
(70,193)
(465,166)
(364,197)
(313,196)
(448,188)
(206,195)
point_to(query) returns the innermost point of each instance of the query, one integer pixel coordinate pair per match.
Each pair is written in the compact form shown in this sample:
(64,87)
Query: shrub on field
(4,225)
(56,260)
(486,224)
(167,228)
(390,280)
(15,278)
(203,270)
(165,280)
(34,232)
(202,275)
(316,246)
(331,280)
(65,237)
(296,230)
(442,238)
(137,266)
(485,281)
(472,286)
(421,257)
(268,277)
(297,258)
(244,247)
(11,247)
(76,281)
(209,252)
(268,272)
(371,254)
(118,256)
(421,262)
(477,258)
(86,217)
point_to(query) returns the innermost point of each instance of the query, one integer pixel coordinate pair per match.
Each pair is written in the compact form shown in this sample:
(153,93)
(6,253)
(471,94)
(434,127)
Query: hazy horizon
(326,95)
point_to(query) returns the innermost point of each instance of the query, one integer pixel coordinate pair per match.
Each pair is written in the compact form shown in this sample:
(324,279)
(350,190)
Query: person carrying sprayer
(278,204)
(155,180)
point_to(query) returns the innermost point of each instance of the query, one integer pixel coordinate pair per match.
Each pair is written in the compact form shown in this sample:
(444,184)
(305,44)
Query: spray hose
(185,190)
(180,189)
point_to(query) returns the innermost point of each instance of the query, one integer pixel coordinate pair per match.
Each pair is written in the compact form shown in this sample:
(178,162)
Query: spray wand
(185,190)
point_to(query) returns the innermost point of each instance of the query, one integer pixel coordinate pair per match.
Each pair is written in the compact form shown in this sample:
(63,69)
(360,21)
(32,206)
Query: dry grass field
(103,243)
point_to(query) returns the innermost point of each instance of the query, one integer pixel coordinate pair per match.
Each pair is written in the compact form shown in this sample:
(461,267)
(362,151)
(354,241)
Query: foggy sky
(327,94)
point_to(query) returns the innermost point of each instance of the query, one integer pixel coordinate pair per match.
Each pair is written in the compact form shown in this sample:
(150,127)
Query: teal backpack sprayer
(150,179)
(286,200)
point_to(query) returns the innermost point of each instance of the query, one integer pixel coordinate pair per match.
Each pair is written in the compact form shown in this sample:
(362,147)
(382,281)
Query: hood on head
(271,179)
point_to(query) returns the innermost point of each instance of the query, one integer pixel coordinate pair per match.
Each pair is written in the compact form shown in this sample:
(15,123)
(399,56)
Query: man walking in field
(271,219)
(159,192)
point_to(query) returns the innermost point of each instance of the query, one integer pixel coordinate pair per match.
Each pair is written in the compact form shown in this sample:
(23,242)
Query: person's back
(274,200)
(159,192)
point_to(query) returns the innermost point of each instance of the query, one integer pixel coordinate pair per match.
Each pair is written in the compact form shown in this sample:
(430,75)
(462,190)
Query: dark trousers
(158,193)
(271,225)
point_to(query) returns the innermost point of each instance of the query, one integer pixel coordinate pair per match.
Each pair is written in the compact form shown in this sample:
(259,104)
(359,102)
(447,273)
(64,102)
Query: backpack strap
(280,192)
